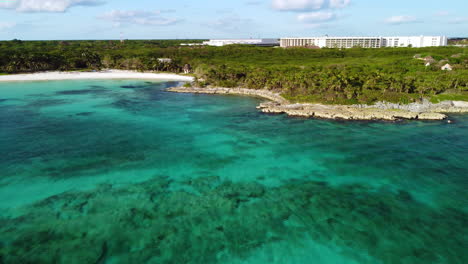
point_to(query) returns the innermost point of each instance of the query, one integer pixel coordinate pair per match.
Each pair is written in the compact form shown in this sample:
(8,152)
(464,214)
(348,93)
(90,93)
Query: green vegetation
(326,75)
(463,96)
(458,41)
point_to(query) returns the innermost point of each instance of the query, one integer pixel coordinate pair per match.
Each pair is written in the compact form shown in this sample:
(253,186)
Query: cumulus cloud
(150,18)
(316,17)
(311,12)
(46,5)
(397,20)
(308,5)
(6,25)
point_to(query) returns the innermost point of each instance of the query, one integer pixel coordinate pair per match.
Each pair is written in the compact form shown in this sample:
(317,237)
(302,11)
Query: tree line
(345,76)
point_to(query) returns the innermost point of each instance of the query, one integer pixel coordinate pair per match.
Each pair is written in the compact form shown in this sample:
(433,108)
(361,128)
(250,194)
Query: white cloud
(312,12)
(6,25)
(46,5)
(397,20)
(308,5)
(316,17)
(339,3)
(298,5)
(8,4)
(151,18)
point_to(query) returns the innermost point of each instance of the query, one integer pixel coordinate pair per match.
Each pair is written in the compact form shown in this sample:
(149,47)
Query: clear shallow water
(124,172)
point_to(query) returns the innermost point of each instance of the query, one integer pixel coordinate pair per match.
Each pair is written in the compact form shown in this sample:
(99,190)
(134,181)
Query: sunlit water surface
(122,171)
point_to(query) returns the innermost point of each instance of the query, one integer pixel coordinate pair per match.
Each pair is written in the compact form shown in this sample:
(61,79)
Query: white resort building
(257,42)
(416,42)
(365,42)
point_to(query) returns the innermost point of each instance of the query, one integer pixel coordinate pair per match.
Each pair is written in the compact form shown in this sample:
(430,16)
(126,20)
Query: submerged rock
(153,222)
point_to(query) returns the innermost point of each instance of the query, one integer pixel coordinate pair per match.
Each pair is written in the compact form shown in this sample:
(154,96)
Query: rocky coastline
(380,111)
(271,96)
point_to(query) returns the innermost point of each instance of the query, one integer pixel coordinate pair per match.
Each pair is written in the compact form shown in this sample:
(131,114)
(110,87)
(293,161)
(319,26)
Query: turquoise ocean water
(121,171)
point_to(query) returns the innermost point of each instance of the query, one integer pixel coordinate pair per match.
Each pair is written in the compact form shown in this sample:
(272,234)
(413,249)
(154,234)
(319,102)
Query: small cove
(135,174)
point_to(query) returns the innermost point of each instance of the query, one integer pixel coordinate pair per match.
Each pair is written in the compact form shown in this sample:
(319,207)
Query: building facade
(416,42)
(333,42)
(365,42)
(257,42)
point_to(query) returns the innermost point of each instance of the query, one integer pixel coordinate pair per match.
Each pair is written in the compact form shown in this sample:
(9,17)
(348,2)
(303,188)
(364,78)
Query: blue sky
(170,19)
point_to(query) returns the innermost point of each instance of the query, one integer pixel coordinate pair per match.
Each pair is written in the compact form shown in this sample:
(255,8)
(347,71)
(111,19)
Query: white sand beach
(107,74)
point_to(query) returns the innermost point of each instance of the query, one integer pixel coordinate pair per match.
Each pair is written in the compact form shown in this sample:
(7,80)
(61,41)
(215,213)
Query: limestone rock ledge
(235,91)
(425,106)
(346,112)
(279,105)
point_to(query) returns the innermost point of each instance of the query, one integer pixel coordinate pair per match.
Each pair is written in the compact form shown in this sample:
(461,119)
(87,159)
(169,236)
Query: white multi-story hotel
(416,42)
(365,42)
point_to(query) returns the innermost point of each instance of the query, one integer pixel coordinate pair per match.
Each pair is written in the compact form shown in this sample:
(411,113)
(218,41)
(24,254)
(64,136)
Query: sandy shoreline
(279,105)
(107,74)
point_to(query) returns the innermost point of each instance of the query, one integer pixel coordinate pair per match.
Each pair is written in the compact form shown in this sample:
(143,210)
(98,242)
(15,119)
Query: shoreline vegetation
(355,83)
(277,104)
(324,76)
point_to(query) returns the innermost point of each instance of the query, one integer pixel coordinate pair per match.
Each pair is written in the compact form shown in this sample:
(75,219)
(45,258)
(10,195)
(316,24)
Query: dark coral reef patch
(200,220)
